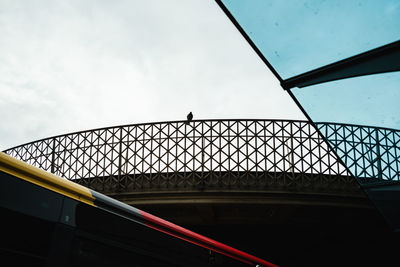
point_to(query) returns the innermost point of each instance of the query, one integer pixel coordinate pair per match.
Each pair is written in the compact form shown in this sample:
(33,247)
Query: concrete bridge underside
(220,197)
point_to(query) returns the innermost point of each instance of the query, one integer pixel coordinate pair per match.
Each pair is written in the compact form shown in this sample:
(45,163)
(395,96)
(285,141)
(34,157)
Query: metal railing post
(53,156)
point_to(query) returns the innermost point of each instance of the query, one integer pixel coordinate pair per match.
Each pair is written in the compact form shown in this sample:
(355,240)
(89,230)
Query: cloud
(74,65)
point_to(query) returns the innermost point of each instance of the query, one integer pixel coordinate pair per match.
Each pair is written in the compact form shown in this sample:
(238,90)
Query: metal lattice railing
(230,153)
(368,152)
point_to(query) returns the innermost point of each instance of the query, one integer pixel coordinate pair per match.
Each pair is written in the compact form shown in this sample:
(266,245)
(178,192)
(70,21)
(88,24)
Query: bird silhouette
(189,117)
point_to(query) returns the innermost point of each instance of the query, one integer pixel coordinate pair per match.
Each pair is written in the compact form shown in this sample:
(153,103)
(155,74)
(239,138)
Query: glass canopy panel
(299,36)
(372,100)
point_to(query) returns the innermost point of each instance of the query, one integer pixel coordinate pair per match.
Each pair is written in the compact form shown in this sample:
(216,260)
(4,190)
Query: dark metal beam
(379,60)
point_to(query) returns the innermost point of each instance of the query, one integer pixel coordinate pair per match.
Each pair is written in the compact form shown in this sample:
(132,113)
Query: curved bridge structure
(276,180)
(224,161)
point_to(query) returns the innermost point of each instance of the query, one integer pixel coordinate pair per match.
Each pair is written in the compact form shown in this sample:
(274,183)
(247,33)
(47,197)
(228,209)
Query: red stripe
(197,243)
(187,235)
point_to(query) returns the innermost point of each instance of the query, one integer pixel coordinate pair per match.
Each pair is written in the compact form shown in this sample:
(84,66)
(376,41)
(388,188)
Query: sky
(314,33)
(67,66)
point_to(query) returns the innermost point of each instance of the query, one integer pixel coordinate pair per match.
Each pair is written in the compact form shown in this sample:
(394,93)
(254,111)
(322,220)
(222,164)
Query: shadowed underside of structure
(232,189)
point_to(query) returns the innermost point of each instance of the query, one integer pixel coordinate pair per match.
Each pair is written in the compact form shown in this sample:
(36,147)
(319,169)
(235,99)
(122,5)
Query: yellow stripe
(45,179)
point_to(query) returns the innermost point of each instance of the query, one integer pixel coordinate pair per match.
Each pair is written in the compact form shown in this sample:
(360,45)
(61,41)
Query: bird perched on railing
(189,117)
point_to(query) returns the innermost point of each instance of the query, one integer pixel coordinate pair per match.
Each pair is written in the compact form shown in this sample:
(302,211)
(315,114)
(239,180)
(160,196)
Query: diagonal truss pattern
(371,153)
(215,153)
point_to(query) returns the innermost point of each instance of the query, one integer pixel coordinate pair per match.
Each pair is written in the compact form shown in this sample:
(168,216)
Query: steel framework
(212,154)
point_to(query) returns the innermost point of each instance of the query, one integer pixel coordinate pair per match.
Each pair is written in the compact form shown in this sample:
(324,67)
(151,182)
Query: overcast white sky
(74,65)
